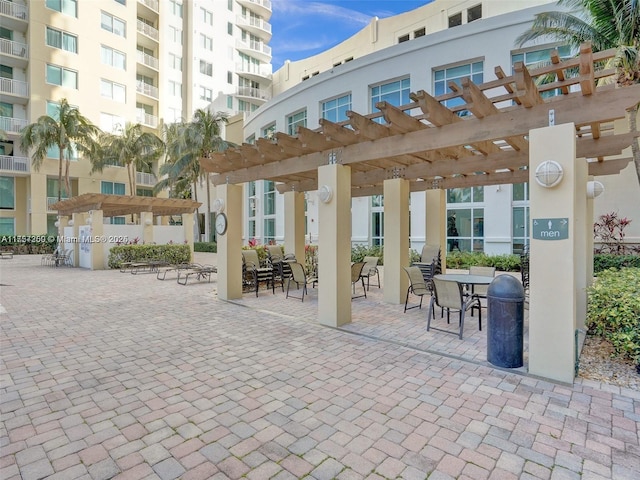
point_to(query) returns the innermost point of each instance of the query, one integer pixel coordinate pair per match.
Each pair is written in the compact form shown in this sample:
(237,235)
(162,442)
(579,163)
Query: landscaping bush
(207,247)
(605,261)
(172,254)
(464,260)
(614,310)
(358,252)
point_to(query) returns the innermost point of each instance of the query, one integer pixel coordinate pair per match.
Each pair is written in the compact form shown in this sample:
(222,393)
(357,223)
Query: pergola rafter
(482,141)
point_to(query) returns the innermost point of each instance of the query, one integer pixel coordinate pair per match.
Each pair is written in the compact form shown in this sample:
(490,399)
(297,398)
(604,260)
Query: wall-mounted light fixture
(594,189)
(325,193)
(549,174)
(71,222)
(148,221)
(218,205)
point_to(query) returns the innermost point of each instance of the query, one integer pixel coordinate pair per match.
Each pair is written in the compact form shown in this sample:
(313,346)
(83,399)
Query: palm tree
(130,148)
(70,131)
(606,24)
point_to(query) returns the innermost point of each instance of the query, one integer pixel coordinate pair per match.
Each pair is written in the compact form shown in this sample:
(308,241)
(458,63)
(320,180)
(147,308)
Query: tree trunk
(67,181)
(635,148)
(61,159)
(132,191)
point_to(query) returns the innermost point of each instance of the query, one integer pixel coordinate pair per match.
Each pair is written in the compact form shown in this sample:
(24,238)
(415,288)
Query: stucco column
(554,274)
(396,239)
(334,246)
(75,221)
(436,222)
(97,248)
(146,220)
(37,188)
(294,221)
(583,225)
(187,225)
(230,244)
(589,235)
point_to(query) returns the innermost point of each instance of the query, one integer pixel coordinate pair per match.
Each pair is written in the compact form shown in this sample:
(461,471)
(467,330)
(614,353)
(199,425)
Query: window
(336,110)
(230,102)
(7,226)
(144,192)
(175,34)
(115,58)
(122,2)
(206,15)
(377,220)
(403,38)
(294,120)
(421,32)
(68,7)
(7,193)
(175,89)
(62,76)
(269,200)
(230,78)
(269,131)
(6,72)
(113,91)
(520,217)
(474,13)
(175,62)
(455,20)
(112,188)
(456,74)
(52,189)
(251,205)
(396,93)
(110,123)
(113,24)
(206,94)
(465,219)
(206,68)
(230,28)
(62,40)
(206,42)
(176,8)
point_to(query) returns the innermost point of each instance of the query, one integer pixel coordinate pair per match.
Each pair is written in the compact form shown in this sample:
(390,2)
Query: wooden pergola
(115,205)
(482,141)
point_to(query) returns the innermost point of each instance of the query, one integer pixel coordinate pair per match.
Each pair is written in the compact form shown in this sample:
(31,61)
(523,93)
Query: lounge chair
(195,270)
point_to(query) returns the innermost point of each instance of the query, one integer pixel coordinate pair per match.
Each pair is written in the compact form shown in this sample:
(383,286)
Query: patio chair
(370,269)
(417,286)
(280,263)
(449,295)
(430,263)
(356,276)
(480,291)
(254,273)
(300,278)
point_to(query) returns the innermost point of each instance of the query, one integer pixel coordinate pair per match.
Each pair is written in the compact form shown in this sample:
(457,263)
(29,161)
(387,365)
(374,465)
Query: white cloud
(302,8)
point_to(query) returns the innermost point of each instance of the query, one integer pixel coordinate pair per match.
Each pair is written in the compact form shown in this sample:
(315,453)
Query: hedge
(464,260)
(173,254)
(208,247)
(605,261)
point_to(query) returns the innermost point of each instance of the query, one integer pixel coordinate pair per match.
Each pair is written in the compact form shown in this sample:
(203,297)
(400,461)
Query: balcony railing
(148,30)
(263,70)
(147,89)
(14,164)
(264,3)
(14,87)
(17,49)
(12,125)
(13,9)
(254,22)
(148,60)
(52,200)
(148,179)
(146,119)
(253,93)
(255,46)
(152,4)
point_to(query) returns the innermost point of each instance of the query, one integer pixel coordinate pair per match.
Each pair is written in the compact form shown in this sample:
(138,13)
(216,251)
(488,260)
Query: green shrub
(172,254)
(358,252)
(605,261)
(464,260)
(207,247)
(614,310)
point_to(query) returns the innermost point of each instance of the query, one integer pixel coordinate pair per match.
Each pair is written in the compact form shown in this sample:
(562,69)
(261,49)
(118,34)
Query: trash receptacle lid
(507,287)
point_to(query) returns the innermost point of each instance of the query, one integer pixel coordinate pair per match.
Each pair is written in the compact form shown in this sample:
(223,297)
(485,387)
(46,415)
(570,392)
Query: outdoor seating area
(59,258)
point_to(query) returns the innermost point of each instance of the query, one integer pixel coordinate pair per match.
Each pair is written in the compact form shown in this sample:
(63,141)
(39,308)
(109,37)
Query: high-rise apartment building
(138,61)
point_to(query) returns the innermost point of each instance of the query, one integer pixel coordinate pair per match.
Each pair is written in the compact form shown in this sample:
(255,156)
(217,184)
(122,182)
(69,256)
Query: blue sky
(302,28)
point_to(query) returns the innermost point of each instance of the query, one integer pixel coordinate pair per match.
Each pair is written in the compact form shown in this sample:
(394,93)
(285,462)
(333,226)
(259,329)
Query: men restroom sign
(550,228)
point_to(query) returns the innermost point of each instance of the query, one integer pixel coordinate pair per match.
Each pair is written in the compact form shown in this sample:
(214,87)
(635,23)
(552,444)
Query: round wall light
(325,193)
(549,174)
(594,189)
(70,223)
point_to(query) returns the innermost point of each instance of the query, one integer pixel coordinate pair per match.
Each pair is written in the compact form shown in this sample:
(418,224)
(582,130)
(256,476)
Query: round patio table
(465,278)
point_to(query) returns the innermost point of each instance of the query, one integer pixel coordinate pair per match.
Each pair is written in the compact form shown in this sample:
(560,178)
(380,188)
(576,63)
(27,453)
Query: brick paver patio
(110,375)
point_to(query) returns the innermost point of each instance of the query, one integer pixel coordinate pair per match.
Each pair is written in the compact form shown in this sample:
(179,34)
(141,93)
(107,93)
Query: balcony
(14,15)
(16,88)
(12,125)
(148,90)
(14,54)
(14,164)
(146,119)
(256,49)
(261,7)
(148,60)
(146,179)
(255,95)
(260,73)
(152,5)
(148,30)
(254,25)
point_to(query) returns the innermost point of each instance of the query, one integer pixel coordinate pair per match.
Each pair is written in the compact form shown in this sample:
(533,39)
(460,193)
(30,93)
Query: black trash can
(505,324)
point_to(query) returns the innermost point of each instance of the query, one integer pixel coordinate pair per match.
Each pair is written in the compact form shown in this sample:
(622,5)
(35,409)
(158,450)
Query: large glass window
(520,217)
(465,219)
(336,110)
(68,7)
(7,193)
(52,189)
(62,40)
(269,131)
(269,236)
(7,226)
(269,196)
(296,119)
(112,188)
(456,74)
(377,220)
(396,93)
(62,76)
(115,58)
(113,91)
(113,24)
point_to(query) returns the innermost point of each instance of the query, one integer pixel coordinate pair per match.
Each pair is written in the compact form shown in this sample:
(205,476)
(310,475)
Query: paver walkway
(110,375)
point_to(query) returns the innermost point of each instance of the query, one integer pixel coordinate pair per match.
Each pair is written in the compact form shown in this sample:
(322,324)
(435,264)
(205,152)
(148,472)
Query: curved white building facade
(493,219)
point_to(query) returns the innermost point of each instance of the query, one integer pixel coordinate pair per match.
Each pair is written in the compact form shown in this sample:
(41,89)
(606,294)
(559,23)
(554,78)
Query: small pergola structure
(91,208)
(487,140)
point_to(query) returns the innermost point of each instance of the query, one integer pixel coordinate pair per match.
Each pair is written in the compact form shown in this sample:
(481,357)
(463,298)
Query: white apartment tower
(139,61)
